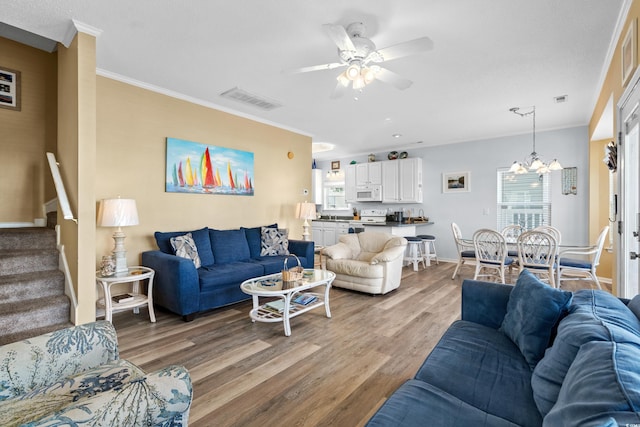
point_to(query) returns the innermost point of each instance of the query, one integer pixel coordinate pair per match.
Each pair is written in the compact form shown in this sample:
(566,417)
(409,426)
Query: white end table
(134,275)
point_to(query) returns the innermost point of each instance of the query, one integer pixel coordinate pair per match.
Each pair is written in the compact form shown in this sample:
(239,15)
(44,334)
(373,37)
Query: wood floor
(329,372)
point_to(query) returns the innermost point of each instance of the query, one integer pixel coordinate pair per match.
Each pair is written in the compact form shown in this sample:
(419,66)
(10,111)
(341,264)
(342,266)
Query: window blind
(523,199)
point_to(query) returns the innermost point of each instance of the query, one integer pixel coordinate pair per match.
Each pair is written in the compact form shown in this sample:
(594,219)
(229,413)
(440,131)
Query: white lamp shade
(117,213)
(306,210)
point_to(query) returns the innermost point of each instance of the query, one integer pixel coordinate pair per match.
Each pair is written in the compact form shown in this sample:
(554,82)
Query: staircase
(32,297)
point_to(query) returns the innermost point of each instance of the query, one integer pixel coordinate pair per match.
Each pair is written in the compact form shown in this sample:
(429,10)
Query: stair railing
(62,194)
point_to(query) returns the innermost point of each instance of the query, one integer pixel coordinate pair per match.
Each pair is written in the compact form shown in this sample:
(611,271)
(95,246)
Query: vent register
(241,95)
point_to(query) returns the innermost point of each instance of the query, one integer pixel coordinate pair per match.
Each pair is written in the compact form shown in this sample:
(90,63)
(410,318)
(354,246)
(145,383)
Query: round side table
(133,275)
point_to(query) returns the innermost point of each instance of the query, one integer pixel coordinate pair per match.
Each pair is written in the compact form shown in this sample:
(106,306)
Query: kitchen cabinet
(368,173)
(316,186)
(350,184)
(402,181)
(327,233)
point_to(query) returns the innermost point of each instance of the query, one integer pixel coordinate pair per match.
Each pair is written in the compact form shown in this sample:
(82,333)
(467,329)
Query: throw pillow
(634,306)
(254,238)
(200,236)
(533,310)
(275,241)
(185,247)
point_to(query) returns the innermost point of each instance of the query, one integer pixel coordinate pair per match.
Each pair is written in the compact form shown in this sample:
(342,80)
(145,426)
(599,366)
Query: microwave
(369,193)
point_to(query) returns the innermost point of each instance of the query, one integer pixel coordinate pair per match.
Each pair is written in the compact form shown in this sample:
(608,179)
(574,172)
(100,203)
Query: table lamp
(306,211)
(118,213)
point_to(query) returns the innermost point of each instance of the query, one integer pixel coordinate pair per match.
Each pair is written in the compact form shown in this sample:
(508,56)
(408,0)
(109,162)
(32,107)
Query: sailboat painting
(207,169)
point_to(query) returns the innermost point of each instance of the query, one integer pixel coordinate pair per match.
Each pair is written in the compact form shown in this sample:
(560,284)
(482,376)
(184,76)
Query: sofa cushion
(594,315)
(185,247)
(533,311)
(200,237)
(355,268)
(275,241)
(254,238)
(223,274)
(229,246)
(275,264)
(602,385)
(484,369)
(419,404)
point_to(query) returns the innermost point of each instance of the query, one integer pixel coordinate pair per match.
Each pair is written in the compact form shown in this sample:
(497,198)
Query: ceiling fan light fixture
(368,74)
(359,83)
(343,79)
(353,71)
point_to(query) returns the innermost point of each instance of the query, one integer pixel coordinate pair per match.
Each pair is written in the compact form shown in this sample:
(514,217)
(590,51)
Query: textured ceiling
(488,56)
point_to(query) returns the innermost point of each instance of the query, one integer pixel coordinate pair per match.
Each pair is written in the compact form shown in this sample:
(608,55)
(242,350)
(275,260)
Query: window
(523,199)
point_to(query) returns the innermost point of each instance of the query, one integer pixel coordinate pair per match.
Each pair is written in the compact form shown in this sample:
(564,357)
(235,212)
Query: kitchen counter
(395,224)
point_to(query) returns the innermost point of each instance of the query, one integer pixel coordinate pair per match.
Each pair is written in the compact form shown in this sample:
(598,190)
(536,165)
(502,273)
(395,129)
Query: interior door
(629,175)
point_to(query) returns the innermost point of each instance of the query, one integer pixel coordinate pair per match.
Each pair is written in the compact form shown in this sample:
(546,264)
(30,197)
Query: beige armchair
(368,262)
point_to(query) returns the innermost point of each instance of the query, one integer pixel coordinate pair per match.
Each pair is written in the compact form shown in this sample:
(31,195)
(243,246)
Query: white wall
(482,159)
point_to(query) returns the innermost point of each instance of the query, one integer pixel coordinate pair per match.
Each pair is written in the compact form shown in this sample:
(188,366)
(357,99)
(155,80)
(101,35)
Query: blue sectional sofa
(528,355)
(228,257)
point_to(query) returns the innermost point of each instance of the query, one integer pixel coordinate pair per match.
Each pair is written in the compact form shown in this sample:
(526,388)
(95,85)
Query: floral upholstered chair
(74,376)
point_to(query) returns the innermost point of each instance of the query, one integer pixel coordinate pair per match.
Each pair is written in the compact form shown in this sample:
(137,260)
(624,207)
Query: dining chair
(511,233)
(551,230)
(537,253)
(491,254)
(584,266)
(465,248)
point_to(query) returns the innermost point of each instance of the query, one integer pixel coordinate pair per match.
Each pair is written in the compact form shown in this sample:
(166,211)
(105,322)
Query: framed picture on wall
(455,182)
(629,55)
(335,165)
(9,89)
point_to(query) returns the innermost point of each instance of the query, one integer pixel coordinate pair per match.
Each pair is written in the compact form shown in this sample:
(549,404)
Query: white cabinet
(402,181)
(316,186)
(410,177)
(350,184)
(390,187)
(327,233)
(368,173)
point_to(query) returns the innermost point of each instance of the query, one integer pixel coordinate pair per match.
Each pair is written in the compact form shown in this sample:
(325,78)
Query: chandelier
(532,162)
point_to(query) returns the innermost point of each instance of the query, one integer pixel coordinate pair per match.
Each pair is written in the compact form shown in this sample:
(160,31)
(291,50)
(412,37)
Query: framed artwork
(335,165)
(9,89)
(629,52)
(207,169)
(455,182)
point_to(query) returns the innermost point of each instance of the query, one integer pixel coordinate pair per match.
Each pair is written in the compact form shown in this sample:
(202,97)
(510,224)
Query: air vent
(245,97)
(560,99)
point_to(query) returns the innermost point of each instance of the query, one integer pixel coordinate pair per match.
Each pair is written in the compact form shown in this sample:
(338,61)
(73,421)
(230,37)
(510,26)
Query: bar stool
(415,254)
(430,253)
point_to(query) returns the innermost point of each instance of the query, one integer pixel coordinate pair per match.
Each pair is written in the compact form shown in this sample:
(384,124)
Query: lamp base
(119,253)
(306,236)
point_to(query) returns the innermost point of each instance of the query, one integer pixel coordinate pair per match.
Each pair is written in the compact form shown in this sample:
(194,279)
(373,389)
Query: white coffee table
(273,286)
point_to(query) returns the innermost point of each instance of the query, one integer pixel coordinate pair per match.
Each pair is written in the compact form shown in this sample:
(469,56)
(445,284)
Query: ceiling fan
(361,57)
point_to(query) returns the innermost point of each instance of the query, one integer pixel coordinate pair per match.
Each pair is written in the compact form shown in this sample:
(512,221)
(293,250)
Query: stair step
(32,315)
(27,260)
(27,238)
(40,284)
(30,333)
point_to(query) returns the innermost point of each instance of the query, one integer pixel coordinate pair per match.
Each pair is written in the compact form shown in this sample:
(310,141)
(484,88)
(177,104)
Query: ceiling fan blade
(412,47)
(392,78)
(339,35)
(330,66)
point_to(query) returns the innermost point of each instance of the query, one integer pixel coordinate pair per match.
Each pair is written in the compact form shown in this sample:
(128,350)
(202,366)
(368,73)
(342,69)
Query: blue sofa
(496,367)
(228,258)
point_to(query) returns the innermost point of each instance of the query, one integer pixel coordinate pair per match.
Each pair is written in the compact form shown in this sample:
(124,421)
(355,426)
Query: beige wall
(132,128)
(25,180)
(598,192)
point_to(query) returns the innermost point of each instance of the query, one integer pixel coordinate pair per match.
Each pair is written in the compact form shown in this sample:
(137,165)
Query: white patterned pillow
(274,241)
(185,247)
